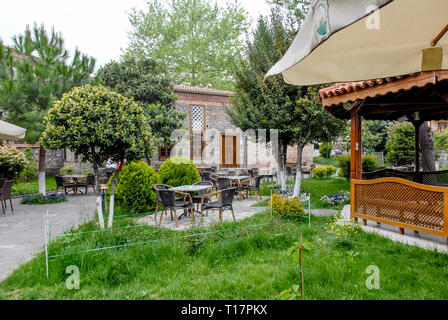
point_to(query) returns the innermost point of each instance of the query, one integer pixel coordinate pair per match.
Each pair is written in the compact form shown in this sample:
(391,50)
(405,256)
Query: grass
(32,186)
(317,187)
(333,161)
(238,264)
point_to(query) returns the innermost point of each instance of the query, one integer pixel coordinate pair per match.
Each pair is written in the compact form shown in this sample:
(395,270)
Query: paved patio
(22,232)
(243,209)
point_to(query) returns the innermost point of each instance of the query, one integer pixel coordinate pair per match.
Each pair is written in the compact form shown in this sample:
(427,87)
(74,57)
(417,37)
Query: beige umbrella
(352,40)
(10,131)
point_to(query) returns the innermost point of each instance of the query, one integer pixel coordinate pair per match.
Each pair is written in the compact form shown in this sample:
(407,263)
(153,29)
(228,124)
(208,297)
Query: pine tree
(34,73)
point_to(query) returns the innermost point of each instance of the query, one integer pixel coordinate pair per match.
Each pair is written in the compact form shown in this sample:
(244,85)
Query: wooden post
(355,160)
(417,125)
(302,282)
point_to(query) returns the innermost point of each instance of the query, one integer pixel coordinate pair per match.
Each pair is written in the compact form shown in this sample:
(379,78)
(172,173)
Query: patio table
(76,178)
(190,189)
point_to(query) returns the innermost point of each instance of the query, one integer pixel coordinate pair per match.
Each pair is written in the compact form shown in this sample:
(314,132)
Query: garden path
(22,232)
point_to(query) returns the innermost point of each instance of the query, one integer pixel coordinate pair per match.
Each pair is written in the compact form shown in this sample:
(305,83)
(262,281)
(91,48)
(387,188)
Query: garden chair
(254,185)
(168,200)
(225,201)
(2,180)
(205,175)
(6,194)
(60,184)
(157,188)
(198,198)
(90,182)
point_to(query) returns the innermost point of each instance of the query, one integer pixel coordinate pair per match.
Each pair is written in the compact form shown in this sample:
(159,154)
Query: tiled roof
(352,91)
(189,89)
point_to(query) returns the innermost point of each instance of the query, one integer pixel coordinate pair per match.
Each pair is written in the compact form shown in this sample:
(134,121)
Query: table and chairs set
(215,191)
(75,182)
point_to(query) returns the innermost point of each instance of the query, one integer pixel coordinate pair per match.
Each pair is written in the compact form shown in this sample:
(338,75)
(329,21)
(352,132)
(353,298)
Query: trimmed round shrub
(369,163)
(12,162)
(178,171)
(286,208)
(324,171)
(135,187)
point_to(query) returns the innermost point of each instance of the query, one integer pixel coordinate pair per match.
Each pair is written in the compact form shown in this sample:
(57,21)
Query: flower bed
(343,197)
(48,198)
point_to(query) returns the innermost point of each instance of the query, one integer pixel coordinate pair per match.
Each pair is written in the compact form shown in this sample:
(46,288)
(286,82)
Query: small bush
(287,208)
(324,171)
(323,149)
(135,187)
(12,162)
(68,170)
(400,144)
(178,171)
(86,171)
(369,163)
(30,170)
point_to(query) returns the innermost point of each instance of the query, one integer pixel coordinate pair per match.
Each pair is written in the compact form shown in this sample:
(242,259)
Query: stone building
(208,138)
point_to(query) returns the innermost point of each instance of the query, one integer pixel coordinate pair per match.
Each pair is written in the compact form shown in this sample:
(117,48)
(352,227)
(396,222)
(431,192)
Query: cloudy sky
(98,27)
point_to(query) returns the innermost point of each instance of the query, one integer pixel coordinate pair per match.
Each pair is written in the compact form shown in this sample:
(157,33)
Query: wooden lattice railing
(434,178)
(401,203)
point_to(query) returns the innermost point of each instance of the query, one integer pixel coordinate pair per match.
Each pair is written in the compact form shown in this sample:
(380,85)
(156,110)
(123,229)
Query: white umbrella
(342,40)
(10,131)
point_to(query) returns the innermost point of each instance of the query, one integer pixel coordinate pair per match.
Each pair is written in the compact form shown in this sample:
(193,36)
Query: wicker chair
(254,185)
(90,182)
(60,184)
(6,194)
(157,188)
(197,199)
(169,201)
(2,181)
(225,201)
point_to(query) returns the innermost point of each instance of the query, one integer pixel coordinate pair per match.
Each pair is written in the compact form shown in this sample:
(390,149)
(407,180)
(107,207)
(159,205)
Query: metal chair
(205,175)
(225,202)
(157,188)
(6,194)
(168,198)
(254,185)
(223,183)
(90,182)
(62,185)
(197,199)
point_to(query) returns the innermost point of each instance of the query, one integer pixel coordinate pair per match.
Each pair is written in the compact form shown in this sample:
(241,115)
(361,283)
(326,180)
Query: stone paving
(22,232)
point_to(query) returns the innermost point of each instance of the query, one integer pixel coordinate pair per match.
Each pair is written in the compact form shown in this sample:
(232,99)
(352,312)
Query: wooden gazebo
(415,200)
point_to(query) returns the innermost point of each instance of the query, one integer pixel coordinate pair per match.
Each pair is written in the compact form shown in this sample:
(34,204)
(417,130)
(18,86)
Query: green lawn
(239,264)
(317,187)
(32,186)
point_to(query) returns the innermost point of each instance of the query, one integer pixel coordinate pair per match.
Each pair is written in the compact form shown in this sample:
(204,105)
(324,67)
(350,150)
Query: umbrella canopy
(342,40)
(10,131)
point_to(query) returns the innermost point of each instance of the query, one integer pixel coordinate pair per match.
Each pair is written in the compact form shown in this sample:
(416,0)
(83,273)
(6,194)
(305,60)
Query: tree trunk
(298,184)
(281,167)
(41,175)
(113,183)
(98,189)
(427,148)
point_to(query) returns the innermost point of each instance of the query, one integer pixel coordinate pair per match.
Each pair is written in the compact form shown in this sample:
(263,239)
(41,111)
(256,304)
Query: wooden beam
(439,36)
(355,158)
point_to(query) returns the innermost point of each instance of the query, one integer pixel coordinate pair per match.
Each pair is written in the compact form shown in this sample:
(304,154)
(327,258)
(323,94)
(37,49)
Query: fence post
(46,231)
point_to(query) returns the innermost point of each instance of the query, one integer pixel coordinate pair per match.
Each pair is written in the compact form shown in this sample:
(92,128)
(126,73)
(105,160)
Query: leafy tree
(295,112)
(96,123)
(33,73)
(400,144)
(374,134)
(145,81)
(294,12)
(194,40)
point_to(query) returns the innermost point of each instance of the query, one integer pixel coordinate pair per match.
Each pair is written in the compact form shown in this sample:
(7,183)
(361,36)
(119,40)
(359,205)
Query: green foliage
(97,123)
(145,81)
(36,71)
(31,186)
(344,164)
(178,171)
(12,162)
(400,143)
(374,134)
(440,142)
(332,161)
(68,170)
(325,149)
(30,170)
(195,41)
(342,229)
(135,187)
(286,208)
(324,171)
(369,163)
(86,171)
